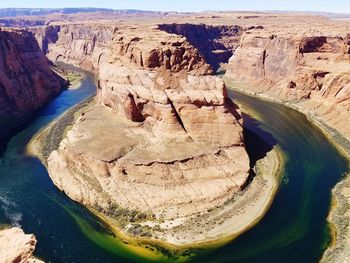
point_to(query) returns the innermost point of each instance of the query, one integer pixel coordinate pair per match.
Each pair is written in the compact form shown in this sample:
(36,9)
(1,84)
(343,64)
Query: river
(293,230)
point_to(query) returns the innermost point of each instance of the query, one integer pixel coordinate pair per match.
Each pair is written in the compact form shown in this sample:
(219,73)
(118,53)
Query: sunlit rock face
(217,43)
(310,71)
(26,80)
(17,247)
(162,139)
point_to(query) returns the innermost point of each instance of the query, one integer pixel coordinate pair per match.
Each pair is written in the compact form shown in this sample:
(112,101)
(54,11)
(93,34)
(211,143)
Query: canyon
(310,71)
(160,152)
(303,65)
(27,81)
(155,94)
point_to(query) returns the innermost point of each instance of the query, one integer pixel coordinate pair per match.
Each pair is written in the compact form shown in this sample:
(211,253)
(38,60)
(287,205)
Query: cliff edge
(26,80)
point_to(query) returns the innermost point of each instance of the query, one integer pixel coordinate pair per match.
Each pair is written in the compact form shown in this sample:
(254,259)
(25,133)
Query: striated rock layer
(26,80)
(310,71)
(217,43)
(17,247)
(306,65)
(162,145)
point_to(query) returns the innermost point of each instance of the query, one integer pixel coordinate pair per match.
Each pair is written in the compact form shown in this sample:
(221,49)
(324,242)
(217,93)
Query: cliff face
(162,143)
(216,43)
(312,72)
(20,23)
(78,44)
(87,45)
(26,80)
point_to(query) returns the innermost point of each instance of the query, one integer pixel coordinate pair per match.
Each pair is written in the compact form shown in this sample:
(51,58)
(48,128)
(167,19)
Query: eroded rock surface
(216,42)
(26,80)
(309,69)
(307,65)
(163,143)
(17,247)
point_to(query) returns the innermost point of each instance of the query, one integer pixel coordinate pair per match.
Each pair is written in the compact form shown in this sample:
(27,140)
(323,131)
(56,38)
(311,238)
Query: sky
(340,6)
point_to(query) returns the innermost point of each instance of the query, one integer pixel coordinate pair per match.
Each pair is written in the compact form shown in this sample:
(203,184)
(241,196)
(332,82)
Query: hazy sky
(191,5)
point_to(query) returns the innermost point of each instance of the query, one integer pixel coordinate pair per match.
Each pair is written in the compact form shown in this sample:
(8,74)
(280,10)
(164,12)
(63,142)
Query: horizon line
(174,11)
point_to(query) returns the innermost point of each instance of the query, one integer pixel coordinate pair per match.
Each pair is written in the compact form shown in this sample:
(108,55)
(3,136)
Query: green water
(293,230)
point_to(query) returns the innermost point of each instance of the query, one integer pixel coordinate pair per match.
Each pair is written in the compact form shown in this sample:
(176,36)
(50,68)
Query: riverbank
(49,138)
(75,80)
(214,228)
(74,76)
(339,215)
(233,218)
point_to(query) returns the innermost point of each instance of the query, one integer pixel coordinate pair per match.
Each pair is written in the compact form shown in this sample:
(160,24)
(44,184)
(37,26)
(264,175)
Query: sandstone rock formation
(17,247)
(163,143)
(311,71)
(216,42)
(78,44)
(86,45)
(150,95)
(307,65)
(26,80)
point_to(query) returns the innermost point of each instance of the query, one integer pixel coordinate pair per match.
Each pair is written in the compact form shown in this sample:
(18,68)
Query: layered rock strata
(217,43)
(307,67)
(163,144)
(311,72)
(17,247)
(78,44)
(26,80)
(86,45)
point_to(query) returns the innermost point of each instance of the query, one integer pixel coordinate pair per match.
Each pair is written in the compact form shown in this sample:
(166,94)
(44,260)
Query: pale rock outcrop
(17,247)
(157,49)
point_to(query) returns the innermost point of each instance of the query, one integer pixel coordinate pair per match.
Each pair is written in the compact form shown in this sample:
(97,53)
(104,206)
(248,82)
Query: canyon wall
(163,143)
(86,45)
(78,44)
(217,43)
(311,72)
(26,80)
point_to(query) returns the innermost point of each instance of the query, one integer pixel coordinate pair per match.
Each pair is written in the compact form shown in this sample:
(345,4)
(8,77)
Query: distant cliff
(216,43)
(16,12)
(310,71)
(26,80)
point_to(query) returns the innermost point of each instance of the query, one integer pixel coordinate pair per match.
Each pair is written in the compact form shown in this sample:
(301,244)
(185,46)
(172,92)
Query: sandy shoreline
(76,83)
(339,247)
(217,227)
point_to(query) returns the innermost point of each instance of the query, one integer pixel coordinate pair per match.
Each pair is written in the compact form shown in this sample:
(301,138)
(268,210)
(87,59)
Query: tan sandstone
(163,143)
(17,247)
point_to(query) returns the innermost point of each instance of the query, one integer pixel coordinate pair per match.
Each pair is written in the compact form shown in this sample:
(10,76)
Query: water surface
(294,229)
